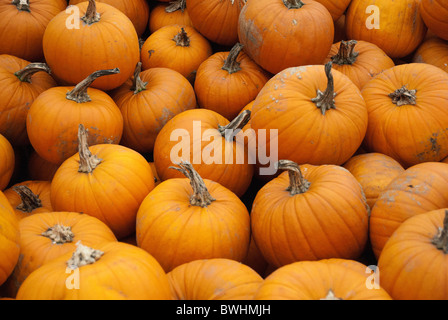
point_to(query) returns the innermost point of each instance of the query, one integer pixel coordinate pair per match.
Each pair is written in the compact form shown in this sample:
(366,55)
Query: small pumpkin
(164,14)
(435,16)
(8,163)
(433,51)
(9,239)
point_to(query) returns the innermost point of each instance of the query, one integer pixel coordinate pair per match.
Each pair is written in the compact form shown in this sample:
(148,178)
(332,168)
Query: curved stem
(230,64)
(30,200)
(231,130)
(79,93)
(83,255)
(137,84)
(59,234)
(441,239)
(176,5)
(297,183)
(87,161)
(91,15)
(293,4)
(22,5)
(403,96)
(325,100)
(182,39)
(346,53)
(26,73)
(201,197)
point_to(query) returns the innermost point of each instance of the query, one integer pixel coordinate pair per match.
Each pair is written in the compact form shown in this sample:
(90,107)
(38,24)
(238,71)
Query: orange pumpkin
(189,218)
(336,8)
(433,51)
(39,168)
(9,239)
(255,259)
(108,271)
(164,14)
(435,16)
(339,30)
(106,181)
(7,164)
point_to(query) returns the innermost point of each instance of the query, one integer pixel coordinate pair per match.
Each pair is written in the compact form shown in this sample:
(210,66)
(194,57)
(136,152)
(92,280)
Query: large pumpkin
(7,163)
(285,33)
(9,239)
(189,218)
(433,51)
(435,16)
(101,38)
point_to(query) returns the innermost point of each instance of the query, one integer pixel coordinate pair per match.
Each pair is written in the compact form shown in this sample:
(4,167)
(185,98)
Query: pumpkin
(433,51)
(108,271)
(336,8)
(155,174)
(214,279)
(217,20)
(107,181)
(339,30)
(29,197)
(164,14)
(435,16)
(136,10)
(211,144)
(9,239)
(227,81)
(254,258)
(413,261)
(22,83)
(45,236)
(148,101)
(397,29)
(190,218)
(288,33)
(39,168)
(414,191)
(101,38)
(310,213)
(318,113)
(7,163)
(62,109)
(359,60)
(406,121)
(23,38)
(374,171)
(176,47)
(317,280)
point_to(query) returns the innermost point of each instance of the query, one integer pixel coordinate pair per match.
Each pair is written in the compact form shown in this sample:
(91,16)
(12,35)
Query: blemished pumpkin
(414,260)
(9,239)
(47,235)
(22,82)
(318,112)
(406,120)
(359,60)
(415,191)
(8,162)
(211,143)
(190,218)
(164,14)
(214,279)
(227,81)
(107,181)
(148,101)
(433,51)
(397,29)
(53,119)
(310,213)
(317,280)
(435,16)
(22,26)
(285,33)
(102,37)
(107,271)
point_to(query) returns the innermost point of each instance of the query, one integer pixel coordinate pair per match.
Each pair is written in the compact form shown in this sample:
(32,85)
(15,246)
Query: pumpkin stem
(91,15)
(59,234)
(26,73)
(22,5)
(87,161)
(293,4)
(346,53)
(297,183)
(137,84)
(30,200)
(231,130)
(176,5)
(331,296)
(79,93)
(83,255)
(201,197)
(230,64)
(182,39)
(403,96)
(325,100)
(441,239)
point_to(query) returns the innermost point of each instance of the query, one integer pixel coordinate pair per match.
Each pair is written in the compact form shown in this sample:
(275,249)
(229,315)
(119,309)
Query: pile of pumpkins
(224,149)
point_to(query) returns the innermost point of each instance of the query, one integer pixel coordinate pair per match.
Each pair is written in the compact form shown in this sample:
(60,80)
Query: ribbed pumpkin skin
(176,232)
(23,37)
(435,16)
(214,279)
(7,164)
(124,272)
(74,54)
(415,191)
(410,245)
(312,280)
(329,220)
(410,134)
(433,51)
(9,239)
